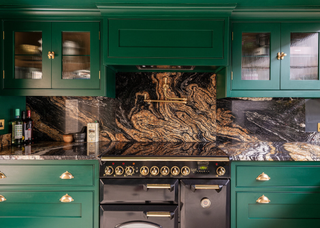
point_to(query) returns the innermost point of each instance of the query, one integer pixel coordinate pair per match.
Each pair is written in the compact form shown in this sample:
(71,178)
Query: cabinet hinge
(231,75)
(3,74)
(232,36)
(99,75)
(3,35)
(99,35)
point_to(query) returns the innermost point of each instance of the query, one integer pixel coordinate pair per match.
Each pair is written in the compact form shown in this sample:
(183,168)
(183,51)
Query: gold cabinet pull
(281,55)
(162,214)
(206,186)
(263,177)
(66,175)
(51,55)
(2,176)
(2,198)
(263,199)
(159,186)
(66,199)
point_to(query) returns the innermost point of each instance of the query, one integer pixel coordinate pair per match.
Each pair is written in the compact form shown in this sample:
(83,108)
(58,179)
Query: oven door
(205,202)
(138,216)
(139,191)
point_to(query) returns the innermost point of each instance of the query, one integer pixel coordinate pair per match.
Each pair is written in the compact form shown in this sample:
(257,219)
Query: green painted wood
(221,83)
(8,105)
(57,81)
(274,30)
(47,175)
(39,209)
(286,30)
(166,38)
(275,93)
(111,82)
(10,27)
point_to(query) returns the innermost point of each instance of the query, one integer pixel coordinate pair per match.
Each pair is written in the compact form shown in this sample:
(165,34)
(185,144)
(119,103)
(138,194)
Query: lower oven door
(138,216)
(205,203)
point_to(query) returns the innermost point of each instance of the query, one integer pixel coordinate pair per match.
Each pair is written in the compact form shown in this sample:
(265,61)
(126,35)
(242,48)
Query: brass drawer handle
(66,199)
(2,198)
(263,199)
(159,186)
(2,176)
(159,214)
(66,175)
(263,177)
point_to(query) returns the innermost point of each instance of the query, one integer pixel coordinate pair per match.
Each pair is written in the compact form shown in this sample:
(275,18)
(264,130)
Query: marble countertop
(260,151)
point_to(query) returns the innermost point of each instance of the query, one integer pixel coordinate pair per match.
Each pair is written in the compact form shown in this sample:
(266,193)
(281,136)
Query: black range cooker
(164,191)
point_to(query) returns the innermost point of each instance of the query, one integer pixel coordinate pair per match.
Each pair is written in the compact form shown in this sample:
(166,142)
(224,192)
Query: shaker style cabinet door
(76,55)
(254,56)
(26,62)
(300,66)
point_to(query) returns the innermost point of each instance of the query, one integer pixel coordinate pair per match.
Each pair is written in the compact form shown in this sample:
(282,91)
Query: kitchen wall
(202,119)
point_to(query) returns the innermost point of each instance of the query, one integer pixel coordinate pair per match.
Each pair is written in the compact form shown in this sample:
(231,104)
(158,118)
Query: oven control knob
(144,170)
(109,170)
(164,170)
(185,170)
(205,203)
(154,170)
(221,171)
(119,170)
(129,170)
(175,170)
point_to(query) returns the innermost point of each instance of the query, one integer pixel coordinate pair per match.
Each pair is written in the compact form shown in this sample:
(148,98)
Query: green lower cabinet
(44,209)
(285,209)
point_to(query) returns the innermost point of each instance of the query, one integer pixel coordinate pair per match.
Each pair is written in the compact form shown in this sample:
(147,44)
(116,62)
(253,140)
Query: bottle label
(18,131)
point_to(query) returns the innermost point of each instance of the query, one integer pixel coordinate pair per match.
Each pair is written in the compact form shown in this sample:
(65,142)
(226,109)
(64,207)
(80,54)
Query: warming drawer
(126,191)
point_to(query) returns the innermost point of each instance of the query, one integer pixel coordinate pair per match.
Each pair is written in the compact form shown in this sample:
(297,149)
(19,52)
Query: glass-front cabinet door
(300,56)
(254,56)
(26,63)
(76,55)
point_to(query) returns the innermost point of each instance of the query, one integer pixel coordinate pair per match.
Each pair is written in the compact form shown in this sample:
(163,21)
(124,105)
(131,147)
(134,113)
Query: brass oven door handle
(159,214)
(2,176)
(159,186)
(66,176)
(66,199)
(263,199)
(263,177)
(207,186)
(2,198)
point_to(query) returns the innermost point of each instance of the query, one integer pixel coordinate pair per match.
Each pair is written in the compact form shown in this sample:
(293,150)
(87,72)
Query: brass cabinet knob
(66,175)
(263,199)
(2,176)
(51,55)
(66,199)
(281,55)
(263,177)
(2,198)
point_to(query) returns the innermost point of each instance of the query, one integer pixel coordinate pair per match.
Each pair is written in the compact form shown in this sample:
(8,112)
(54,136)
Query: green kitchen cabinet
(160,41)
(275,194)
(274,60)
(51,58)
(42,193)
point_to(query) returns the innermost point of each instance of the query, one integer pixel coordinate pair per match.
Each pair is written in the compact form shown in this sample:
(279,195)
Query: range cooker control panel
(164,169)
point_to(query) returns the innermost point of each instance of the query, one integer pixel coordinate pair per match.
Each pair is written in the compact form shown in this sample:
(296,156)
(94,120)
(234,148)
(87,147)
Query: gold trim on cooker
(186,171)
(159,186)
(162,214)
(107,171)
(206,186)
(144,170)
(134,158)
(164,168)
(119,170)
(154,170)
(175,171)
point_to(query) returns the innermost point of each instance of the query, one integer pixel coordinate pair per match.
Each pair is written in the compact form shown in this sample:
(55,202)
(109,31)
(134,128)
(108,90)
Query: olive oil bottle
(16,132)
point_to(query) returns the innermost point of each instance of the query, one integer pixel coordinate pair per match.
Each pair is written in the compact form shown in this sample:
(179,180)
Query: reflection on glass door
(28,55)
(255,59)
(138,224)
(304,56)
(76,55)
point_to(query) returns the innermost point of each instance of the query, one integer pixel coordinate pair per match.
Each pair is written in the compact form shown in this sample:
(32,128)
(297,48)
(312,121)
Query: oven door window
(138,224)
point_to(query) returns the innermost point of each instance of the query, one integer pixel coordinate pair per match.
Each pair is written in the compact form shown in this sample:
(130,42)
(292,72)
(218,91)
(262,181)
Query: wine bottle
(16,133)
(29,127)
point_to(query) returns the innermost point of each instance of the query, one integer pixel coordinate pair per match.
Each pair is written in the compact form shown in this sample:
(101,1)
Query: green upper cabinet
(181,41)
(51,58)
(275,60)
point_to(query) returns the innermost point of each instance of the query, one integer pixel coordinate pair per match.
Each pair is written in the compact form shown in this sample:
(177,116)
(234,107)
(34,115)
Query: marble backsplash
(203,119)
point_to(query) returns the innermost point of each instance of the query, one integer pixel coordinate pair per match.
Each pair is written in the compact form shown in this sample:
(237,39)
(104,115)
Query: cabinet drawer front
(39,209)
(166,38)
(284,175)
(47,175)
(287,209)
